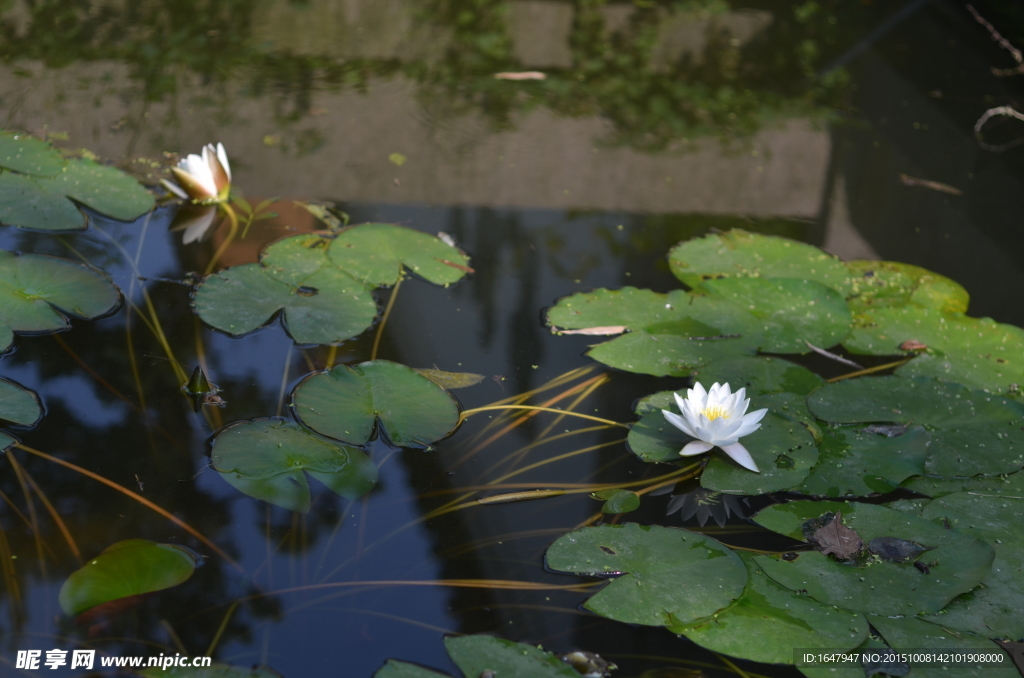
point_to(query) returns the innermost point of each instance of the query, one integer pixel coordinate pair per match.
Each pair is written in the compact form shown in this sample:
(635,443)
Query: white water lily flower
(716,419)
(202,179)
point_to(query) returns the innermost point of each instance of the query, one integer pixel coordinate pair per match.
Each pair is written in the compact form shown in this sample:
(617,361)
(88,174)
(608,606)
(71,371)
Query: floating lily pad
(212,671)
(128,568)
(879,284)
(669,334)
(486,655)
(857,463)
(791,406)
(347,402)
(664,576)
(617,500)
(908,633)
(45,203)
(376,253)
(327,307)
(295,259)
(938,487)
(769,620)
(759,375)
(28,155)
(881,587)
(18,405)
(268,458)
(974,432)
(36,291)
(976,352)
(792,311)
(743,254)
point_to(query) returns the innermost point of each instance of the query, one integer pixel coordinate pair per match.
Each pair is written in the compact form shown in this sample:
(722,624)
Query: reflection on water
(578,181)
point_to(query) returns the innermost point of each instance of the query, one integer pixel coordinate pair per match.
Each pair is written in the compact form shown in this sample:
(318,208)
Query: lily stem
(233,218)
(384,318)
(467,413)
(870,370)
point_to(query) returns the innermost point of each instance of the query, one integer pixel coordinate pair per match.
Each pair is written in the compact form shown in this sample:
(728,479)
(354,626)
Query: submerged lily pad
(769,620)
(669,334)
(347,402)
(45,203)
(486,655)
(908,633)
(28,155)
(857,463)
(879,284)
(742,254)
(36,291)
(885,588)
(128,568)
(376,253)
(760,374)
(664,576)
(268,459)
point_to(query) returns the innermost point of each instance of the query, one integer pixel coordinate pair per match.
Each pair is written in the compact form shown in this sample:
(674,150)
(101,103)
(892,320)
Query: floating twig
(833,356)
(1002,42)
(991,113)
(908,180)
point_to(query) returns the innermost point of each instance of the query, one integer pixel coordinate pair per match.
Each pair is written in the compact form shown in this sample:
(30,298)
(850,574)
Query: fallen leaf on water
(913,345)
(521,75)
(451,379)
(837,539)
(596,331)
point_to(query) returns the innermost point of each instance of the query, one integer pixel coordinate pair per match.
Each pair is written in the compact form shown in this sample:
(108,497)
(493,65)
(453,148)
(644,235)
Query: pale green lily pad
(268,458)
(743,254)
(669,334)
(759,375)
(212,671)
(347,403)
(855,462)
(664,576)
(18,405)
(127,568)
(769,620)
(617,501)
(486,655)
(879,284)
(28,155)
(908,633)
(793,312)
(376,253)
(329,306)
(36,291)
(975,432)
(877,587)
(976,352)
(42,203)
(939,487)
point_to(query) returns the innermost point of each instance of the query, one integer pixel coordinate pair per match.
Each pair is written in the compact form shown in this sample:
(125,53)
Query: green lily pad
(128,568)
(877,587)
(486,655)
(743,254)
(347,402)
(854,462)
(768,621)
(992,609)
(28,155)
(36,291)
(974,432)
(879,284)
(376,253)
(618,501)
(18,405)
(760,374)
(212,671)
(793,311)
(976,352)
(664,576)
(42,203)
(327,307)
(295,259)
(938,487)
(791,406)
(908,633)
(268,458)
(669,334)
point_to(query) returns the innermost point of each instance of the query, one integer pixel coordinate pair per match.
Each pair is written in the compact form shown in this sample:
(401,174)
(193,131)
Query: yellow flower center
(715,412)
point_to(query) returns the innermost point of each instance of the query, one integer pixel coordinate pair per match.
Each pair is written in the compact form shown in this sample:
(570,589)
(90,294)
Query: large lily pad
(664,576)
(486,655)
(376,253)
(879,284)
(908,633)
(870,586)
(28,155)
(668,334)
(127,568)
(975,432)
(855,462)
(769,620)
(36,291)
(45,203)
(760,374)
(347,403)
(792,311)
(268,458)
(743,254)
(18,405)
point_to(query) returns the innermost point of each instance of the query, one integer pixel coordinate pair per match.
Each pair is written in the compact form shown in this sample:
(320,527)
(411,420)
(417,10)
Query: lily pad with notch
(39,292)
(908,633)
(486,655)
(347,403)
(376,254)
(268,459)
(856,462)
(663,576)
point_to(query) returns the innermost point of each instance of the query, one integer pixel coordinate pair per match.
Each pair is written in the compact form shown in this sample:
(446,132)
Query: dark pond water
(657,122)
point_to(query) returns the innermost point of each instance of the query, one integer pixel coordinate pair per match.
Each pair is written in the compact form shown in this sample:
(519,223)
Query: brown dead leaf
(912,345)
(521,75)
(450,380)
(596,331)
(837,539)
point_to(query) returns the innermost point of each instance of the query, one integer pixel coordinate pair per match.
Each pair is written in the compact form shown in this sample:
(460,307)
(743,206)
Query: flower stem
(233,218)
(467,413)
(384,318)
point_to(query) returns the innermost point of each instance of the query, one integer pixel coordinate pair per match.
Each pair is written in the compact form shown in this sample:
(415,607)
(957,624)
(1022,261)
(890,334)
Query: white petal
(679,422)
(750,423)
(174,188)
(697,395)
(740,455)
(706,434)
(222,155)
(696,447)
(197,229)
(199,168)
